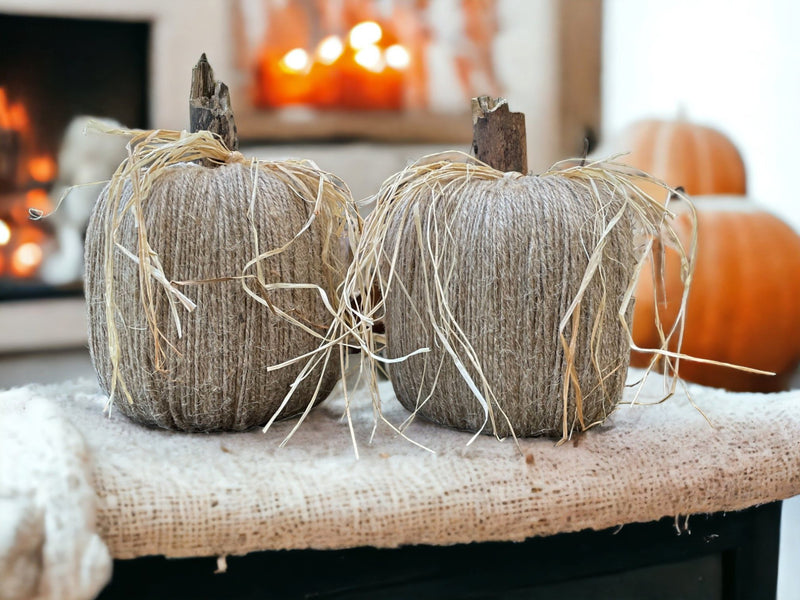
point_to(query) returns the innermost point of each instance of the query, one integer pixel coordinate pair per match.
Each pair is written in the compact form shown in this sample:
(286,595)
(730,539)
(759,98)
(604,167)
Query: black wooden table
(730,556)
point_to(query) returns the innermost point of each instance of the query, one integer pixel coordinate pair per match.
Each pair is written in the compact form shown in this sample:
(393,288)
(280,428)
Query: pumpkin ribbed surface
(743,304)
(700,159)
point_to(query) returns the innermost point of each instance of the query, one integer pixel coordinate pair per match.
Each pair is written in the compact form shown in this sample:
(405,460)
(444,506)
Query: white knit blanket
(158,492)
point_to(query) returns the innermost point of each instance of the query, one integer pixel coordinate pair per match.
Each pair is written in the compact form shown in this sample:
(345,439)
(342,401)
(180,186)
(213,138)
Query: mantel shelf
(297,124)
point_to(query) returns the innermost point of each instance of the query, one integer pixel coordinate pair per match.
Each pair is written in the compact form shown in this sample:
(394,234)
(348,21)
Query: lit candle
(365,34)
(295,61)
(397,57)
(371,58)
(329,50)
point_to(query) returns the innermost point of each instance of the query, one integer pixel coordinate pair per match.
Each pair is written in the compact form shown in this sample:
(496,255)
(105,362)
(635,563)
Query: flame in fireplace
(5,111)
(5,233)
(13,116)
(25,175)
(26,259)
(42,168)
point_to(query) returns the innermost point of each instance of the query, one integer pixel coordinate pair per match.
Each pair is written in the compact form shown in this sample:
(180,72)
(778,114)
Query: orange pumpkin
(699,159)
(743,304)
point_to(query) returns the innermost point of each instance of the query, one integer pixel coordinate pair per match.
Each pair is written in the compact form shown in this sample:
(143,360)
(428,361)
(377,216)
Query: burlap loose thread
(252,250)
(518,289)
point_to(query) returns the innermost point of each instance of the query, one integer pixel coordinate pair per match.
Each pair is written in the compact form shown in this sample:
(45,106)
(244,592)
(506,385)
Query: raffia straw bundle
(506,298)
(201,280)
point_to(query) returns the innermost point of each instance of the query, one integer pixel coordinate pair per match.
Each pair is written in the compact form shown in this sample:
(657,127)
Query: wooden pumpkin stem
(498,135)
(586,144)
(210,105)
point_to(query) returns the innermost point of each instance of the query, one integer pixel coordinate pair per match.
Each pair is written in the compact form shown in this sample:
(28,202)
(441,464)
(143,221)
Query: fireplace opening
(53,70)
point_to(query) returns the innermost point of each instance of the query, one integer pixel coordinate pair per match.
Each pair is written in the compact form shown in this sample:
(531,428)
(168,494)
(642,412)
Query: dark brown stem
(498,135)
(210,105)
(585,151)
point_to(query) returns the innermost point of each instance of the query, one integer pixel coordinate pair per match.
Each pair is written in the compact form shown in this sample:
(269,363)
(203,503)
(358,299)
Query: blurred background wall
(732,64)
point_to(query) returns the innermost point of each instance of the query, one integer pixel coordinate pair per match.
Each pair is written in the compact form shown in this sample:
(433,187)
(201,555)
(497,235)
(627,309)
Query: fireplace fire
(45,88)
(26,175)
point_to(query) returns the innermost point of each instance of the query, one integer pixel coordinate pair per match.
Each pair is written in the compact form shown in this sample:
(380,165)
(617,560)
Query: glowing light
(365,34)
(26,259)
(329,50)
(12,116)
(295,61)
(5,118)
(18,116)
(42,168)
(370,58)
(397,57)
(5,233)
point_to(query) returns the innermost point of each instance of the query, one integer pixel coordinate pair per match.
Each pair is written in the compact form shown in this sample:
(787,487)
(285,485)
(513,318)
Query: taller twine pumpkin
(199,281)
(506,298)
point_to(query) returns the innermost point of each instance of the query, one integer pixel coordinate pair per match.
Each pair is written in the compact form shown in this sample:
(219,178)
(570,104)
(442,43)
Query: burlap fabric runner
(179,494)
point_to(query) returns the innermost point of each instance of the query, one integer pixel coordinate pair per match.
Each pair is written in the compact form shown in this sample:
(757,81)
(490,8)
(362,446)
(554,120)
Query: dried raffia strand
(235,269)
(484,337)
(507,298)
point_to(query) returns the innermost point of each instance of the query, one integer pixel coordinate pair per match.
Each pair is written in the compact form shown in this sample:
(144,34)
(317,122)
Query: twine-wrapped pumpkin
(211,282)
(505,296)
(234,244)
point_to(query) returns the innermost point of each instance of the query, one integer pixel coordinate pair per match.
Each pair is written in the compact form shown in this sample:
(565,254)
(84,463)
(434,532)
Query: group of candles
(365,70)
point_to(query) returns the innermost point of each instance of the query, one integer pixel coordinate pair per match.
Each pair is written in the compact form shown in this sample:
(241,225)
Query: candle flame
(5,233)
(365,34)
(295,61)
(370,58)
(397,57)
(329,50)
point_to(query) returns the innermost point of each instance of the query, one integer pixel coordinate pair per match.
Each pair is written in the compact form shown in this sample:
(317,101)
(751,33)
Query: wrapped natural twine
(487,275)
(519,288)
(203,283)
(506,298)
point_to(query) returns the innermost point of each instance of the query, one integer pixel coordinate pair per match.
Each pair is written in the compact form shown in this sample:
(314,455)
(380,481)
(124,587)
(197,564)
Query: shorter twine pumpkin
(699,159)
(505,297)
(201,280)
(742,306)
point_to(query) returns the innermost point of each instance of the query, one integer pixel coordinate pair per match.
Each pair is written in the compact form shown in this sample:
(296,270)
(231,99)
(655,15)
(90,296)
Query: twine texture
(485,271)
(207,369)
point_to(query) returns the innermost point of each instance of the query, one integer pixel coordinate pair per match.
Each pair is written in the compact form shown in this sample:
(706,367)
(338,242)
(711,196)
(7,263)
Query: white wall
(733,64)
